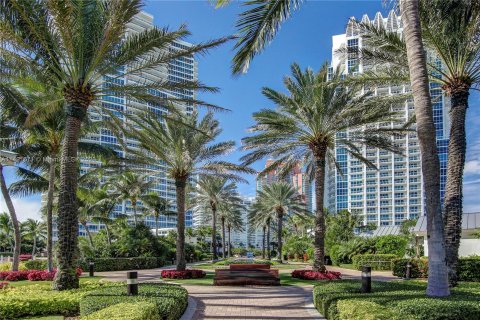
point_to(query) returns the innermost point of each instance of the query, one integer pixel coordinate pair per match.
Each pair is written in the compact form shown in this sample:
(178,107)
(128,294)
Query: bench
(247,274)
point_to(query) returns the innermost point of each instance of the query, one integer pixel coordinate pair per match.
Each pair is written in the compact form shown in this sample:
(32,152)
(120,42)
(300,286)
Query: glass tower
(393,193)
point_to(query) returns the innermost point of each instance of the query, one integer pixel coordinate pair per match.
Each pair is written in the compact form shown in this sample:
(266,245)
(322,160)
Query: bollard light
(91,268)
(132,283)
(366,279)
(408,271)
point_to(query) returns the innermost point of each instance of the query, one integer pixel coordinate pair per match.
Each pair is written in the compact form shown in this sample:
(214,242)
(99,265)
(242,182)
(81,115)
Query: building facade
(393,193)
(178,70)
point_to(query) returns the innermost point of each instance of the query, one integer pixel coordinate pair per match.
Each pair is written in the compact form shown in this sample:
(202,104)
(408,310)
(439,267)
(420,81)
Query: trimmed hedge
(170,300)
(230,261)
(36,264)
(376,261)
(39,299)
(119,264)
(131,311)
(342,300)
(468,268)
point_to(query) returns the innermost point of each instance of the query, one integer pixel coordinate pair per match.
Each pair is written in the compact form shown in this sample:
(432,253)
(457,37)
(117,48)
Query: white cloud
(25,208)
(472,167)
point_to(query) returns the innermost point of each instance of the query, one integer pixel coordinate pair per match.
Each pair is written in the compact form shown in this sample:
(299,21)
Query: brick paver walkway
(252,302)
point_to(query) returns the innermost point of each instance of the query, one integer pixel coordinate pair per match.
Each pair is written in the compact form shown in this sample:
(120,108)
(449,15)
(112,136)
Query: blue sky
(305,39)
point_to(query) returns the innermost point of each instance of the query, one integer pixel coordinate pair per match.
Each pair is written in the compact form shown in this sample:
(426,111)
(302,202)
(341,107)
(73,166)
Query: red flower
(187,274)
(313,275)
(32,275)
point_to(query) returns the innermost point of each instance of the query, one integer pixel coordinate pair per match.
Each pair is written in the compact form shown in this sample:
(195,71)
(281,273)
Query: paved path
(253,302)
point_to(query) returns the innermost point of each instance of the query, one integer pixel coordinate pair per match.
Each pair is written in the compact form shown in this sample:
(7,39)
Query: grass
(45,318)
(207,281)
(348,266)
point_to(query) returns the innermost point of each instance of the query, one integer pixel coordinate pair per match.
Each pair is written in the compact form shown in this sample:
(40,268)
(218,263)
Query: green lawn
(45,318)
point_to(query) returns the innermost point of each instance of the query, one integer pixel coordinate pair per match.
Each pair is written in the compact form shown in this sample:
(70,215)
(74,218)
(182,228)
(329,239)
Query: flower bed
(314,275)
(187,274)
(32,275)
(25,257)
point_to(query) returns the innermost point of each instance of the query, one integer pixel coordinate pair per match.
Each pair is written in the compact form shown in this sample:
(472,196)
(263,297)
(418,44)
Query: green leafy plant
(376,261)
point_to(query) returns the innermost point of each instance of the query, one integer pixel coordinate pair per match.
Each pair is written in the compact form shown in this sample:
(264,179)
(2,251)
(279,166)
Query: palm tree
(157,206)
(72,45)
(258,218)
(233,220)
(34,229)
(318,114)
(438,279)
(186,146)
(210,193)
(228,212)
(131,186)
(282,200)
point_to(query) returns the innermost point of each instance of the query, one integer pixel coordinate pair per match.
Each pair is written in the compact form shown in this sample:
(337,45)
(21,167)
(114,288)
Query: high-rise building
(393,193)
(177,70)
(297,178)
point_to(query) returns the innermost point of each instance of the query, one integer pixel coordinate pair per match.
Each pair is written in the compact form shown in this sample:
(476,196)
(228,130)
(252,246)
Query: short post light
(91,268)
(408,271)
(132,283)
(366,279)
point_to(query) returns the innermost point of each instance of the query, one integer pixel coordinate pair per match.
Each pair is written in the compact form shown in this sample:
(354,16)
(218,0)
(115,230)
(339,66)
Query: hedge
(468,268)
(342,300)
(376,261)
(131,311)
(170,300)
(119,264)
(39,299)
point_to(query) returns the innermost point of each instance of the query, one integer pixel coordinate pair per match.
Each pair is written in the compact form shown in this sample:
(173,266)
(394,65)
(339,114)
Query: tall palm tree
(34,229)
(131,186)
(318,114)
(210,193)
(449,32)
(438,279)
(262,219)
(186,145)
(74,44)
(282,200)
(232,214)
(228,212)
(157,206)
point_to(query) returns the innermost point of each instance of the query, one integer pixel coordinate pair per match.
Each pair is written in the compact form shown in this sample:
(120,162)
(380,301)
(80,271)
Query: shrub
(391,244)
(132,311)
(169,300)
(32,275)
(186,274)
(3,285)
(419,267)
(7,266)
(36,264)
(342,300)
(313,275)
(468,268)
(376,261)
(119,264)
(239,251)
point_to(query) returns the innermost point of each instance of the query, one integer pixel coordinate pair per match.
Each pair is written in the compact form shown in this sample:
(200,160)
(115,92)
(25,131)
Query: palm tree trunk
(319,238)
(51,188)
(457,146)
(214,233)
(438,279)
(263,242)
(223,237)
(109,237)
(180,185)
(156,225)
(34,246)
(229,241)
(268,240)
(13,217)
(134,205)
(67,221)
(279,237)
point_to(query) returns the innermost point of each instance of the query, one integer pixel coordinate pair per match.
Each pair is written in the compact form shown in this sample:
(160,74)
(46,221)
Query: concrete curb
(191,308)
